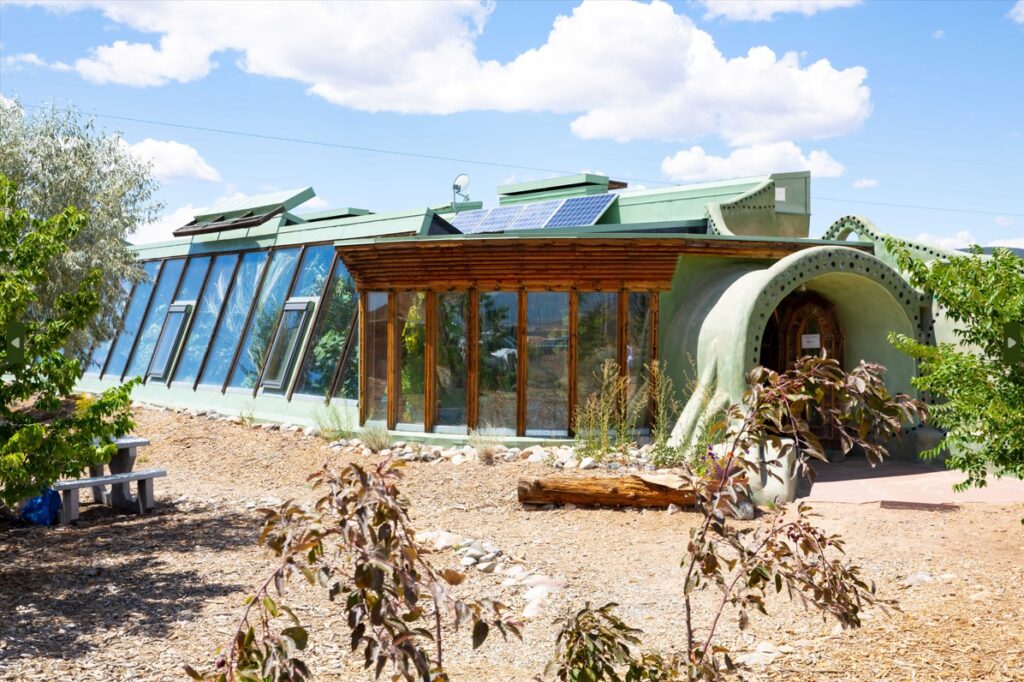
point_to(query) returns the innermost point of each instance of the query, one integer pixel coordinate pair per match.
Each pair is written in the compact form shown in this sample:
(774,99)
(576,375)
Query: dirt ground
(134,598)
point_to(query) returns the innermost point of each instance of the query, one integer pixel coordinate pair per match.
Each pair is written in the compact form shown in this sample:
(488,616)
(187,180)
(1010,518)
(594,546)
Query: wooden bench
(140,503)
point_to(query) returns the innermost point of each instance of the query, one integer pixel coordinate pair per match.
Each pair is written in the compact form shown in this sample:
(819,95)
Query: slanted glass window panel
(154,322)
(192,281)
(329,337)
(596,335)
(206,312)
(412,329)
(498,351)
(170,340)
(314,271)
(547,363)
(290,331)
(375,350)
(638,351)
(452,358)
(348,378)
(102,350)
(265,314)
(132,320)
(230,329)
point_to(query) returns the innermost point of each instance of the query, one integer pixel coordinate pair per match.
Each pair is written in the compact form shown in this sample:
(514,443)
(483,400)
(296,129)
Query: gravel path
(133,598)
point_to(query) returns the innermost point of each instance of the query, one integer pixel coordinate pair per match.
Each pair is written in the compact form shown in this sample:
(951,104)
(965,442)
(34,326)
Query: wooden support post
(392,361)
(430,361)
(361,321)
(574,313)
(473,361)
(521,368)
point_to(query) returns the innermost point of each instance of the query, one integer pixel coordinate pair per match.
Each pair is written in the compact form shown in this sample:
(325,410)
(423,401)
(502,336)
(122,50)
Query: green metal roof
(263,203)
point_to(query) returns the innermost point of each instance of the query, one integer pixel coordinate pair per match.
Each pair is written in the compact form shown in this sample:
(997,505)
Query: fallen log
(606,491)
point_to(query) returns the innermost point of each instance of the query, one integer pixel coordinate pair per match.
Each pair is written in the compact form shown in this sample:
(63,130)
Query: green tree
(980,395)
(58,159)
(45,430)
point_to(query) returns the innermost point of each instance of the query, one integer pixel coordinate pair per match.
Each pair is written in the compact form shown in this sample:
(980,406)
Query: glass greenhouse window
(192,281)
(264,318)
(290,331)
(638,349)
(233,318)
(412,344)
(132,319)
(547,363)
(347,386)
(314,271)
(451,374)
(99,354)
(499,313)
(329,336)
(150,330)
(170,340)
(375,356)
(596,335)
(206,312)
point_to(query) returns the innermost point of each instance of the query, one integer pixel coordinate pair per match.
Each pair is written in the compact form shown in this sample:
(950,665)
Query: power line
(917,206)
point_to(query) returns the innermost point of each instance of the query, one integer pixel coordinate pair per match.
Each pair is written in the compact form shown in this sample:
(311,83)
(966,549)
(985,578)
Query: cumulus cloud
(174,161)
(696,164)
(865,183)
(1004,221)
(1017,243)
(939,35)
(1016,13)
(766,10)
(23,60)
(958,240)
(661,78)
(160,229)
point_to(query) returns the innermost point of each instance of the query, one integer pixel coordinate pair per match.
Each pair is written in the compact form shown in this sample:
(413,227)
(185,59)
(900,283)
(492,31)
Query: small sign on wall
(810,341)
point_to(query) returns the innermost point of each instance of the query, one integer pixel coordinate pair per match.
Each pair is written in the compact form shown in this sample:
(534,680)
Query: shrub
(333,423)
(604,420)
(376,438)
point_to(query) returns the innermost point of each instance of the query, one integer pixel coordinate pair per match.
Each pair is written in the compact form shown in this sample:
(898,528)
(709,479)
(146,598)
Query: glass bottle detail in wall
(205,317)
(547,363)
(498,362)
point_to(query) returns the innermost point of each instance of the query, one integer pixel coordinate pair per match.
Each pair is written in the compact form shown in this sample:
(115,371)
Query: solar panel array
(572,212)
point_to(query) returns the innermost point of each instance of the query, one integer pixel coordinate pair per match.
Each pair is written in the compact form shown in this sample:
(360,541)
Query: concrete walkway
(856,482)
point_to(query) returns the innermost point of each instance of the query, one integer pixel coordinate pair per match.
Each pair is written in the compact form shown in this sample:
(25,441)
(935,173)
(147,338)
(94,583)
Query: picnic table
(114,489)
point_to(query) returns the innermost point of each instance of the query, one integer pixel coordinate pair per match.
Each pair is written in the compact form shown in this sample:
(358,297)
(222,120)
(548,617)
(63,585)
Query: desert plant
(358,546)
(332,423)
(662,393)
(595,644)
(604,420)
(482,439)
(376,438)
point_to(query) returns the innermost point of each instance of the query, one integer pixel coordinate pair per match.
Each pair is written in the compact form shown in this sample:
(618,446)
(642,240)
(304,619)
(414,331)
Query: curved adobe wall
(871,299)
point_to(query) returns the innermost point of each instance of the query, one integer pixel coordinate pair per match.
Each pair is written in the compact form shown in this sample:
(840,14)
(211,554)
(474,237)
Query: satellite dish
(461,183)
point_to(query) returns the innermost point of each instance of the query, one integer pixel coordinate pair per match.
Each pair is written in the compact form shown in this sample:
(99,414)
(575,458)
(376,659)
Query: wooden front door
(808,325)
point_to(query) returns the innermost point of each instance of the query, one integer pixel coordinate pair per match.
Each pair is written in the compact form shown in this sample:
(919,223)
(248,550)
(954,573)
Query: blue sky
(908,113)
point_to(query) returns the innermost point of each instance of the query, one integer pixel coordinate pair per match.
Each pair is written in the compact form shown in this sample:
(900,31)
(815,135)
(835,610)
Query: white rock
(534,608)
(474,553)
(311,431)
(439,539)
(674,509)
(536,457)
(468,561)
(470,453)
(487,566)
(919,578)
(459,459)
(588,463)
(233,419)
(367,452)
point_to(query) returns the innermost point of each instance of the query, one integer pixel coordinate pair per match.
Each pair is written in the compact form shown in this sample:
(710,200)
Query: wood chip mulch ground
(117,598)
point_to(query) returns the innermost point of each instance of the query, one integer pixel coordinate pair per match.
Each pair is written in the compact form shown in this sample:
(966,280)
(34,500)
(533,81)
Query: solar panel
(497,220)
(579,211)
(468,219)
(535,216)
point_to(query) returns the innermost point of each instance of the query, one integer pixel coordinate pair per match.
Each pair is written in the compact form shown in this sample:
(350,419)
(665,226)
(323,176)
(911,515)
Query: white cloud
(1003,221)
(865,183)
(1016,13)
(696,164)
(174,161)
(939,35)
(1017,243)
(160,229)
(314,204)
(765,10)
(662,77)
(15,61)
(959,240)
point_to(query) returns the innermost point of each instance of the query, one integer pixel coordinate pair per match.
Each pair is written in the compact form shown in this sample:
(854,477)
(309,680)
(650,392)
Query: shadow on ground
(60,587)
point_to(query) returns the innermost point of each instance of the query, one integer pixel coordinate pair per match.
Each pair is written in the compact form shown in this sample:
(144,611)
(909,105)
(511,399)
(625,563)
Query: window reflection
(329,337)
(638,351)
(412,342)
(264,318)
(498,362)
(99,354)
(596,330)
(132,320)
(375,347)
(547,368)
(206,312)
(452,347)
(230,328)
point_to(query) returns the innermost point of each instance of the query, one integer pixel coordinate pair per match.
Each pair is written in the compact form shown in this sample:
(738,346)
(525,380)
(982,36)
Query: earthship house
(434,322)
